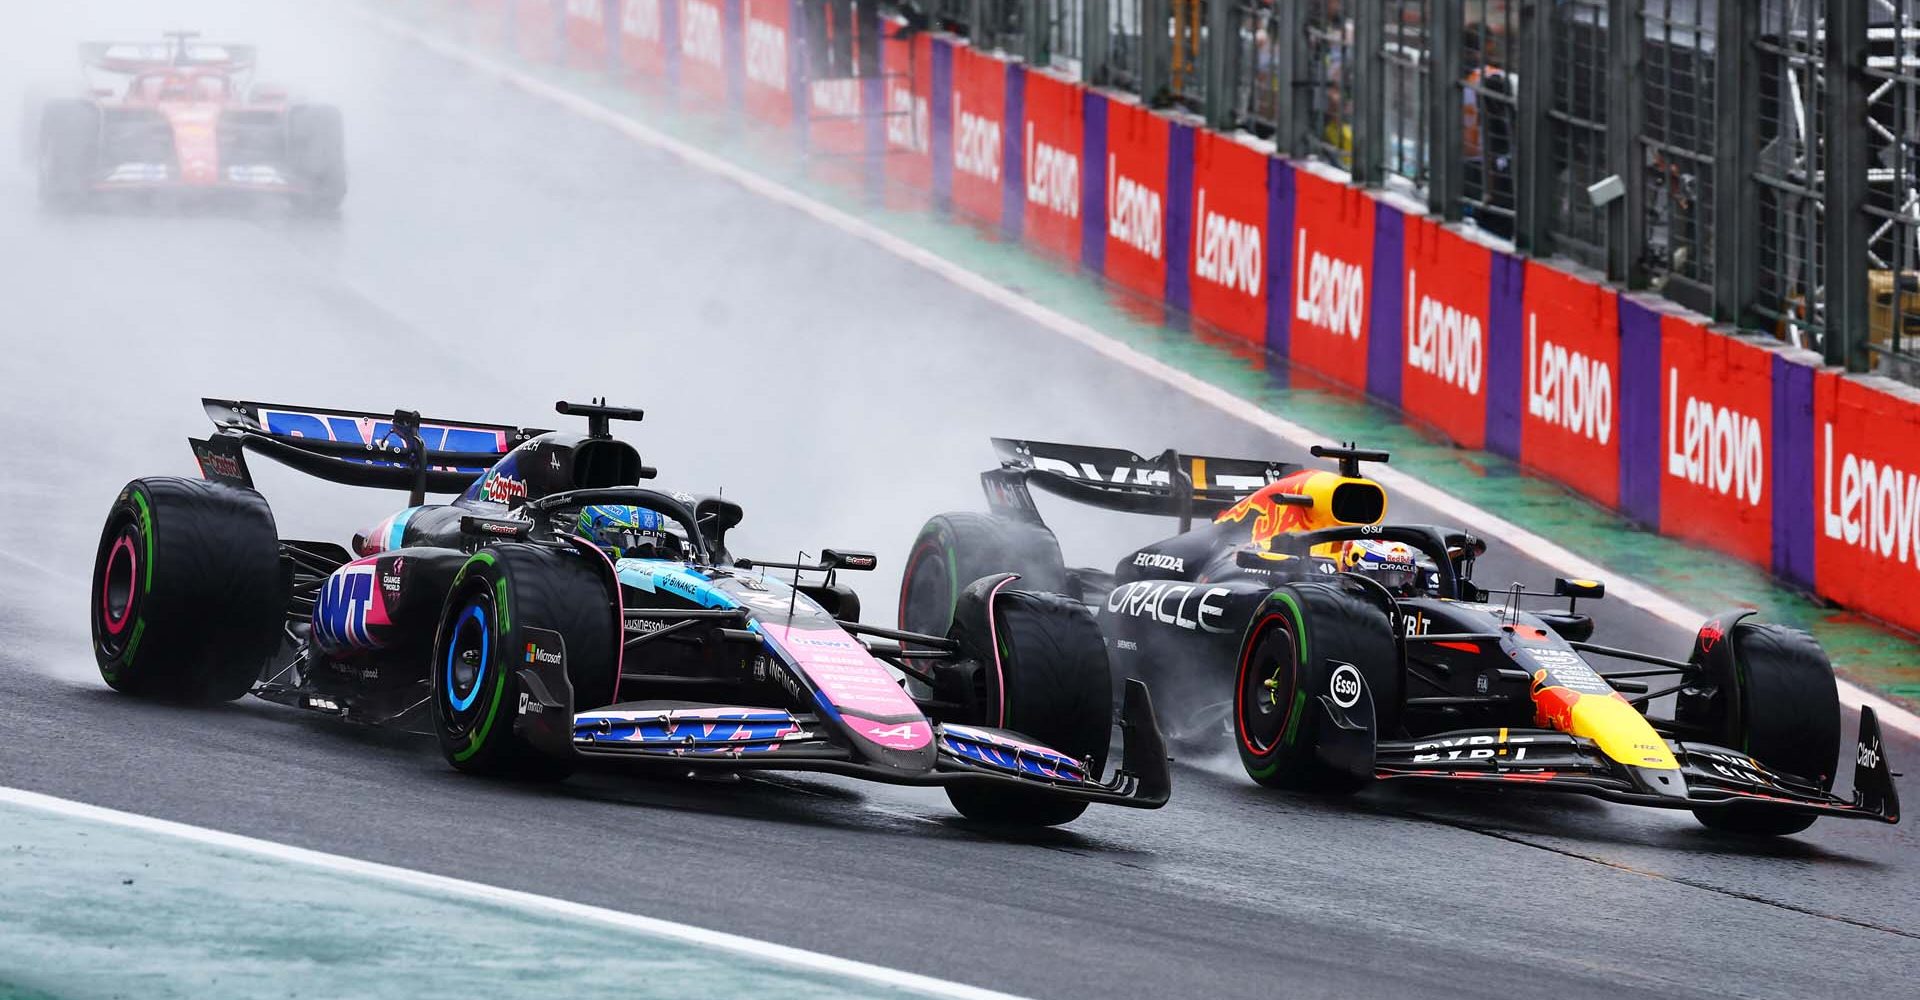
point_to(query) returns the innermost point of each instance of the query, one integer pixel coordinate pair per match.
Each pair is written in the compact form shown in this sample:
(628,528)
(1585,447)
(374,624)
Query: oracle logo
(1133,212)
(700,32)
(641,19)
(767,54)
(839,97)
(976,144)
(1442,341)
(1328,292)
(907,123)
(1877,508)
(1714,446)
(588,10)
(1568,389)
(1053,177)
(1226,251)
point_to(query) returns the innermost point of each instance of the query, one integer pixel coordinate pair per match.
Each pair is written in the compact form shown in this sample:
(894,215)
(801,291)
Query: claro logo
(767,54)
(1327,291)
(1442,341)
(1568,389)
(1714,446)
(1053,177)
(976,144)
(641,19)
(1226,251)
(1877,508)
(907,123)
(700,32)
(1133,212)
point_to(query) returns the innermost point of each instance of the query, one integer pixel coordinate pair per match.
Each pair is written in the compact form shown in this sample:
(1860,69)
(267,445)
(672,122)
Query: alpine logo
(1053,177)
(976,144)
(1154,560)
(1328,292)
(641,19)
(700,32)
(1568,389)
(1877,506)
(1134,215)
(1442,341)
(1714,446)
(1226,251)
(766,54)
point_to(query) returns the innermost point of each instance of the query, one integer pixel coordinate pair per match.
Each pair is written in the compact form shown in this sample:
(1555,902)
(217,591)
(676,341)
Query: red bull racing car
(185,116)
(556,611)
(1341,650)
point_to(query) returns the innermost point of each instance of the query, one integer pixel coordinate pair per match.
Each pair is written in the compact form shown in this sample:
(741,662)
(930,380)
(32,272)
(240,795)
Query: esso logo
(1226,251)
(1053,177)
(1714,446)
(1344,685)
(1568,389)
(1876,508)
(1444,342)
(641,19)
(976,144)
(1133,212)
(1333,295)
(700,32)
(767,54)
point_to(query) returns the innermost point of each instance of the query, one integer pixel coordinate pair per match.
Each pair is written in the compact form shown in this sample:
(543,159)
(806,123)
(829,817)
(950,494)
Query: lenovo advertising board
(768,76)
(1569,417)
(586,32)
(1051,150)
(1328,299)
(1227,265)
(906,63)
(1136,185)
(1866,443)
(979,102)
(1444,321)
(643,33)
(702,44)
(1716,434)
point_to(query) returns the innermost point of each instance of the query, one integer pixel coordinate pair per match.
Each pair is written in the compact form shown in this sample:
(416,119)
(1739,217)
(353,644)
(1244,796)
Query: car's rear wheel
(188,601)
(955,549)
(68,152)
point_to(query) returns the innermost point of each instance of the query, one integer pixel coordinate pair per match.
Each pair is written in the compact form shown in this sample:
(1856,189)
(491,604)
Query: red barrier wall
(1227,267)
(586,30)
(703,48)
(906,89)
(1443,375)
(1866,445)
(1716,421)
(769,94)
(1332,272)
(979,129)
(1137,142)
(1569,420)
(1052,136)
(643,47)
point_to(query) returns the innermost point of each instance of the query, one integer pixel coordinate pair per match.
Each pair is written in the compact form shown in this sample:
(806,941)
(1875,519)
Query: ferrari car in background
(1340,650)
(557,611)
(184,116)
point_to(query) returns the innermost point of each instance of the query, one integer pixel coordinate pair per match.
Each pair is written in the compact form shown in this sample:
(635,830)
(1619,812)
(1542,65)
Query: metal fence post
(1156,50)
(1533,204)
(1445,176)
(1288,46)
(1627,216)
(1735,195)
(1369,96)
(1846,176)
(1095,43)
(1037,26)
(1223,57)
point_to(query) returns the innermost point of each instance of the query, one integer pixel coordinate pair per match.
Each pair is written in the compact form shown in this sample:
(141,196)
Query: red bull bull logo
(1332,494)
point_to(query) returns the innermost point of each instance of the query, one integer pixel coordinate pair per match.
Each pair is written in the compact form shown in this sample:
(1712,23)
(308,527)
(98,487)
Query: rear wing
(397,451)
(1171,485)
(180,50)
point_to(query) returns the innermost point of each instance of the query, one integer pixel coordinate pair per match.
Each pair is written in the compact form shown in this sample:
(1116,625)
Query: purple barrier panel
(1093,184)
(1793,476)
(1013,155)
(1179,215)
(1506,354)
(610,18)
(670,41)
(796,74)
(940,107)
(873,95)
(1279,258)
(733,41)
(1386,342)
(1639,412)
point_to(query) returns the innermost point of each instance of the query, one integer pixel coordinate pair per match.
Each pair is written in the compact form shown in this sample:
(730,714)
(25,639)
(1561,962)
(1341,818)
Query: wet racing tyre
(1776,700)
(1046,679)
(317,147)
(1297,645)
(512,606)
(68,152)
(953,550)
(188,602)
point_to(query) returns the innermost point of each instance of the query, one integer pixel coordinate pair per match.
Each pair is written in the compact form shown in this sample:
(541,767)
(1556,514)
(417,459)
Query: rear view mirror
(832,559)
(1563,587)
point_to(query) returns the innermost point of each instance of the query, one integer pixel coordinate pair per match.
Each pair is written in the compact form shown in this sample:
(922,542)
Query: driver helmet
(1393,565)
(628,532)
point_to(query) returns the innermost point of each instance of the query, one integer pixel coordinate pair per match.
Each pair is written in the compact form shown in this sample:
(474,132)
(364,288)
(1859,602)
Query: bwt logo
(1133,212)
(1328,292)
(976,144)
(908,126)
(840,97)
(1568,389)
(341,614)
(767,54)
(1714,446)
(1878,505)
(700,32)
(1443,341)
(586,10)
(1226,251)
(641,19)
(1053,177)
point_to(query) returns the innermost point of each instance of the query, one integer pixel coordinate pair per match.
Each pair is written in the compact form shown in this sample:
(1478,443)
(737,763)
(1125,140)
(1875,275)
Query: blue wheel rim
(478,615)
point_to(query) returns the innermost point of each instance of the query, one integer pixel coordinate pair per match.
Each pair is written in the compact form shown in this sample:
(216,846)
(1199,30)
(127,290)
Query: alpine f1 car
(185,116)
(1346,651)
(556,611)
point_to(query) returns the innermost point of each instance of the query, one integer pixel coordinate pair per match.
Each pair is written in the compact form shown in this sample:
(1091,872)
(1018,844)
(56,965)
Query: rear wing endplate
(1171,485)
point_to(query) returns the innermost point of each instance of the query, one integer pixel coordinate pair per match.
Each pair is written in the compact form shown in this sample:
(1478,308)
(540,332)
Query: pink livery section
(855,684)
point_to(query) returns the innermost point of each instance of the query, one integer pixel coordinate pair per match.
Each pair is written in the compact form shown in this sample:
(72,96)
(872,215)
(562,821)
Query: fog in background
(495,254)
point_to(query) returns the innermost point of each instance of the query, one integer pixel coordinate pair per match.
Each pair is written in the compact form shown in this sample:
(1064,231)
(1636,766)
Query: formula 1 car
(1333,680)
(536,622)
(185,116)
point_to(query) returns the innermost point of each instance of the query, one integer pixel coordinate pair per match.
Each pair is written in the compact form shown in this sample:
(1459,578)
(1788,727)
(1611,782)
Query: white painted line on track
(525,901)
(1466,515)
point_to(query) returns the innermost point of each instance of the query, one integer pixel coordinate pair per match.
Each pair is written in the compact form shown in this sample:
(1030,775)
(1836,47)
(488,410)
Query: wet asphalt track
(494,257)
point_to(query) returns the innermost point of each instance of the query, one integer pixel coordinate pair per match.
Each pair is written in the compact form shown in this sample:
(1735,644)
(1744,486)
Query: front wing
(1709,776)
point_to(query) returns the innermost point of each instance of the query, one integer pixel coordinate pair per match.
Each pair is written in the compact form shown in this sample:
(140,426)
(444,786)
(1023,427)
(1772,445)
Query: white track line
(873,975)
(1460,512)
